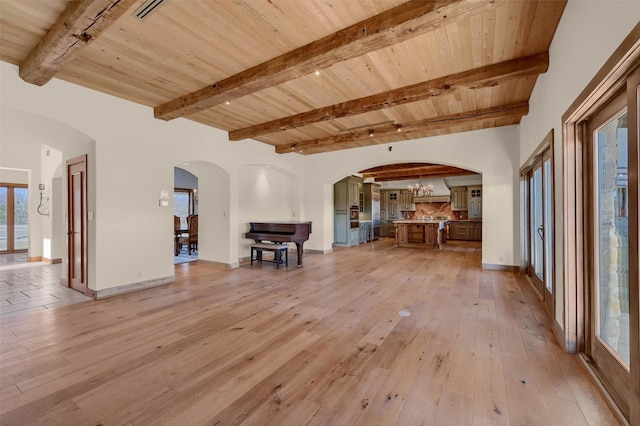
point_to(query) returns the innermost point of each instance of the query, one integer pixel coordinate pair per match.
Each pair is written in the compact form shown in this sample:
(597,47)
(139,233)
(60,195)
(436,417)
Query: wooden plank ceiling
(304,76)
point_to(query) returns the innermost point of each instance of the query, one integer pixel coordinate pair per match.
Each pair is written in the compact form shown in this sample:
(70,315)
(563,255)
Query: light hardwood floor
(325,344)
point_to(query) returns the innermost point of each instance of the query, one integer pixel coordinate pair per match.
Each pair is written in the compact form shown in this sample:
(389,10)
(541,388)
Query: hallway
(32,287)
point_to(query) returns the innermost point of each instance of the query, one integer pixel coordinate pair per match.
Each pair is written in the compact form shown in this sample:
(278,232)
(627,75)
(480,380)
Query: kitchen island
(420,232)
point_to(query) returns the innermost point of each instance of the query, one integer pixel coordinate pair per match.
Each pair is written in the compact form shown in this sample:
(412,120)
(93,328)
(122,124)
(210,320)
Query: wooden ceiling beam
(478,78)
(77,26)
(410,172)
(393,26)
(460,172)
(408,168)
(343,141)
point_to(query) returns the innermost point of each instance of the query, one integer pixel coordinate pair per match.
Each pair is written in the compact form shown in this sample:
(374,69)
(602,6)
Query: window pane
(613,236)
(536,222)
(548,225)
(20,218)
(3,218)
(181,207)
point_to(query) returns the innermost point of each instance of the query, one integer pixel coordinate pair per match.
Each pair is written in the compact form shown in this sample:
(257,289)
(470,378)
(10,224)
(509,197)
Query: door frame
(608,81)
(83,256)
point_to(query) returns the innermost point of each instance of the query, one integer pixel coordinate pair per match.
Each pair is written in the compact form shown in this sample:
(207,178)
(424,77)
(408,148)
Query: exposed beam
(343,141)
(478,78)
(411,172)
(393,26)
(79,24)
(402,176)
(392,168)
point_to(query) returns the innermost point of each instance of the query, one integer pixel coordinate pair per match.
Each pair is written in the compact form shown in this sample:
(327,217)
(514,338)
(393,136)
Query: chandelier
(419,190)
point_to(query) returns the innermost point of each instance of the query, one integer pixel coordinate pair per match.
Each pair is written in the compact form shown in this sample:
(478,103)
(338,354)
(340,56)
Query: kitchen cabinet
(389,211)
(459,198)
(363,232)
(474,202)
(346,194)
(475,231)
(354,192)
(468,230)
(354,236)
(366,232)
(405,200)
(413,233)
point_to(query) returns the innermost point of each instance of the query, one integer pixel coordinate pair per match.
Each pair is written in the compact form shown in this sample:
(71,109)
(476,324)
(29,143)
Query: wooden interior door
(77,223)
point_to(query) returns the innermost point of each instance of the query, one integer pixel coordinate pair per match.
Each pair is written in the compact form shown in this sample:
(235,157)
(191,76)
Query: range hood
(432,199)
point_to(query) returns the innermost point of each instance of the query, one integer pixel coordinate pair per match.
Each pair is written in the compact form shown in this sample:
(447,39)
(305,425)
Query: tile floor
(32,286)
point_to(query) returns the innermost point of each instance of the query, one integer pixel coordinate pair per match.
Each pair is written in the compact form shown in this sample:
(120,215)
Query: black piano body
(281,232)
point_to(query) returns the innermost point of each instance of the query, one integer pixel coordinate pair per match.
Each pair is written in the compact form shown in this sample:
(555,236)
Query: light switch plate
(164,203)
(164,193)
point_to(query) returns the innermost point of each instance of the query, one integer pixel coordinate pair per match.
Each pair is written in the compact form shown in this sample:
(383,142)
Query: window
(184,201)
(14,218)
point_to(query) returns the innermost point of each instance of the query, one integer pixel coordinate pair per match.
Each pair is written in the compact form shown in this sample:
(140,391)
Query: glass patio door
(14,218)
(540,224)
(609,222)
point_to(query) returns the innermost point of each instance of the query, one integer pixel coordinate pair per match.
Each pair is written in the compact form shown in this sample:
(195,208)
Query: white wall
(22,137)
(588,33)
(492,152)
(49,207)
(269,194)
(134,159)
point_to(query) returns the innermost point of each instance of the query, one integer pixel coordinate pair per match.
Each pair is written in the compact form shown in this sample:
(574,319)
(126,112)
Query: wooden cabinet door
(406,200)
(453,231)
(354,193)
(475,202)
(393,205)
(459,198)
(340,196)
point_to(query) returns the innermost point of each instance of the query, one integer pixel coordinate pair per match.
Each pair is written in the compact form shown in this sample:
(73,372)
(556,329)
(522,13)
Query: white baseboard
(493,267)
(224,265)
(127,288)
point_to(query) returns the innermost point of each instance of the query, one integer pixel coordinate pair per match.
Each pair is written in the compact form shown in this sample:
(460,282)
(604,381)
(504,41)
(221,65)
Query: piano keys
(280,232)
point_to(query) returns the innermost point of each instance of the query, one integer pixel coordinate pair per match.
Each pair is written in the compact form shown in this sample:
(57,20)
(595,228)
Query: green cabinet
(458,198)
(475,202)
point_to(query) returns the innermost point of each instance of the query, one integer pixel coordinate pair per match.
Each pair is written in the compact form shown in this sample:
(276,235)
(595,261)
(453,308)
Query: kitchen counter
(421,221)
(420,232)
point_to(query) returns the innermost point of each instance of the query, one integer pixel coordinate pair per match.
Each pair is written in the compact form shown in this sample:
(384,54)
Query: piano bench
(277,249)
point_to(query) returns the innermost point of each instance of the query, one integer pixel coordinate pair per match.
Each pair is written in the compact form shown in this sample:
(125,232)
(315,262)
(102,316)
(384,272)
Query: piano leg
(299,247)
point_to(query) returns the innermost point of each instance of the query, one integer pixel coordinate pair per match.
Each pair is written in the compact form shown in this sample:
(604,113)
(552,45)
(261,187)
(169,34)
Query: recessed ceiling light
(227,103)
(317,72)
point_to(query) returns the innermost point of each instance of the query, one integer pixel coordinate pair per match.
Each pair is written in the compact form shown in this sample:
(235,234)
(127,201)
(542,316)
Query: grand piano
(281,232)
